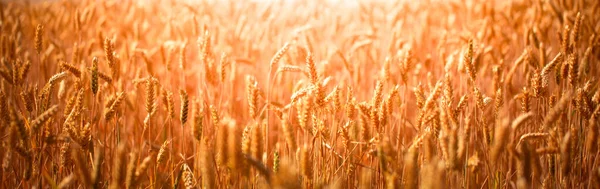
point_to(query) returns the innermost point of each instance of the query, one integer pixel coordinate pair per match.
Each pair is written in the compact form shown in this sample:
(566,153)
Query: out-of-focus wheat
(364,95)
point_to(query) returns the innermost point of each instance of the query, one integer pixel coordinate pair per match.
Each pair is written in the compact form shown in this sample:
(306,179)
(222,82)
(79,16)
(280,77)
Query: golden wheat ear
(183,116)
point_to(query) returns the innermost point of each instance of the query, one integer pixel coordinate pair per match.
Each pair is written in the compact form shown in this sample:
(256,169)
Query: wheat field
(299,94)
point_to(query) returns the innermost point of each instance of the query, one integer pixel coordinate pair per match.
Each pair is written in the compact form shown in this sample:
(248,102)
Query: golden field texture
(299,94)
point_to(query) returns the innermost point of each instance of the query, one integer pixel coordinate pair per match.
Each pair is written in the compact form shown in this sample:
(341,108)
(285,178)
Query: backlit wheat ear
(551,65)
(448,90)
(377,94)
(498,102)
(198,121)
(183,116)
(38,38)
(565,40)
(532,136)
(350,109)
(374,118)
(162,152)
(94,79)
(205,46)
(28,99)
(14,72)
(312,70)
(56,78)
(214,115)
(468,61)
(319,95)
(42,118)
(385,71)
(290,68)
(573,64)
(108,53)
(576,32)
(336,93)
(24,70)
(223,63)
(70,68)
(345,133)
(525,100)
(105,77)
(170,105)
(279,55)
(246,134)
(419,96)
(111,111)
(300,93)
(536,84)
(433,96)
(188,177)
(150,96)
(276,160)
(252,96)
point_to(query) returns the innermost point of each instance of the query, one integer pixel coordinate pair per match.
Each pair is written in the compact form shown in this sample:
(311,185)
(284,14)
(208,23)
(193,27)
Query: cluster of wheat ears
(295,94)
